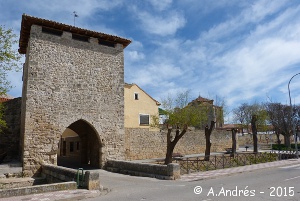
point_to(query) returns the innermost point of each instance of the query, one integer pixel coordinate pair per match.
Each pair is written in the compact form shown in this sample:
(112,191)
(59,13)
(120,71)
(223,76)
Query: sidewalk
(67,195)
(228,171)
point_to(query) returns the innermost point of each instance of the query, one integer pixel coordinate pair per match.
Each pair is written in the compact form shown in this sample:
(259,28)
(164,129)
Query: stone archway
(82,148)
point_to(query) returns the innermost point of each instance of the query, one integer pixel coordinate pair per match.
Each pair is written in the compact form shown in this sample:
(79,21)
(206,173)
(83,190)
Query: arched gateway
(72,78)
(80,146)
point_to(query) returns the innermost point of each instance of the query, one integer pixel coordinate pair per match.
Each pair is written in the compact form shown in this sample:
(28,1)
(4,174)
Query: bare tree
(254,132)
(254,115)
(280,118)
(208,131)
(233,137)
(239,116)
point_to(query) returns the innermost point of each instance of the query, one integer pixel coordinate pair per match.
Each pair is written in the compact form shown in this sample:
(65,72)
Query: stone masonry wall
(10,137)
(145,144)
(66,80)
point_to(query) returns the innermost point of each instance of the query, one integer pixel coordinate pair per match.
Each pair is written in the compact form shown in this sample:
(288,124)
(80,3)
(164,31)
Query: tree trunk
(278,138)
(286,134)
(171,144)
(233,133)
(287,140)
(254,131)
(169,154)
(277,133)
(208,132)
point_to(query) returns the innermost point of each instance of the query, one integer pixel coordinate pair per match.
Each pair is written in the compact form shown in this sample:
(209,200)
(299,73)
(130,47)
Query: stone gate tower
(72,78)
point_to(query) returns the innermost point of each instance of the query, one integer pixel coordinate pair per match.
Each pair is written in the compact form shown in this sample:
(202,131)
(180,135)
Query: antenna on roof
(75,15)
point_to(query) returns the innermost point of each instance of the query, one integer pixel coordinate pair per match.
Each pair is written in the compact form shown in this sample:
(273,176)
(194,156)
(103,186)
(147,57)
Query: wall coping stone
(53,173)
(168,172)
(37,189)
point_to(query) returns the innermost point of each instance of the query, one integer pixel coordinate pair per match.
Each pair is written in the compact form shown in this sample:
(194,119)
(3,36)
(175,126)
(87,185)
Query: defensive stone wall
(145,144)
(10,137)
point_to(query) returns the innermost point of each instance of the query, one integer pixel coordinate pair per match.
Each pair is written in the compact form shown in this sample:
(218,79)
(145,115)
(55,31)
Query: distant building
(139,107)
(213,112)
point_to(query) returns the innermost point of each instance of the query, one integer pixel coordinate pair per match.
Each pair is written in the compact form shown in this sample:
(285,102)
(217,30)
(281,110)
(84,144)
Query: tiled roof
(5,97)
(28,21)
(201,99)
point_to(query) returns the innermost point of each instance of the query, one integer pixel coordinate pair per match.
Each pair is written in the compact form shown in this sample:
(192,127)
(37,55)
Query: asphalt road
(280,183)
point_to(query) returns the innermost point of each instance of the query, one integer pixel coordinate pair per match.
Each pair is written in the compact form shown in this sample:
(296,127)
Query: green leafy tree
(180,117)
(9,60)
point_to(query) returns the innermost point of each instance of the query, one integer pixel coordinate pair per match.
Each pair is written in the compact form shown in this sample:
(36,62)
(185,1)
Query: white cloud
(82,7)
(135,55)
(160,4)
(155,74)
(163,25)
(250,15)
(243,50)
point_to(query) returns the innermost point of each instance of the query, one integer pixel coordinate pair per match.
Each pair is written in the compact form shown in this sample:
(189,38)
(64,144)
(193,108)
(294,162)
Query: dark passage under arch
(83,150)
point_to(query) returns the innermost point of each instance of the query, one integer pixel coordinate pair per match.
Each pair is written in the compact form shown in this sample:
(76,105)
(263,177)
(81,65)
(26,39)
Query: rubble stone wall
(66,80)
(10,136)
(145,144)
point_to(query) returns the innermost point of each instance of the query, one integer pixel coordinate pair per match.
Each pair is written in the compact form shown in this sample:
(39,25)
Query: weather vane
(75,15)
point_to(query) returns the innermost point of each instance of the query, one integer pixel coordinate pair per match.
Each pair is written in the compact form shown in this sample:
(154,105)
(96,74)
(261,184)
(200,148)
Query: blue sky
(244,51)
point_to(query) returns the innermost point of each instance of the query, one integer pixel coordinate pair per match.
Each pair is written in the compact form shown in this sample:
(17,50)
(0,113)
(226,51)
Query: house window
(136,96)
(71,146)
(144,119)
(77,145)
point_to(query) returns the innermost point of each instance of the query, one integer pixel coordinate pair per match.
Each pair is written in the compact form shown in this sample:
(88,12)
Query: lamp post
(293,125)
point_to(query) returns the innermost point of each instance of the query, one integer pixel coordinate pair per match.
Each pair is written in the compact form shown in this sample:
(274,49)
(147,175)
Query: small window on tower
(136,96)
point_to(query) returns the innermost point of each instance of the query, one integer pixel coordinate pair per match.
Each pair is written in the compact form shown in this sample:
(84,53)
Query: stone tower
(72,78)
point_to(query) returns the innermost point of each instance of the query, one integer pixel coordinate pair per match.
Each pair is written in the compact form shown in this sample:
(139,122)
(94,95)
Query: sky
(239,50)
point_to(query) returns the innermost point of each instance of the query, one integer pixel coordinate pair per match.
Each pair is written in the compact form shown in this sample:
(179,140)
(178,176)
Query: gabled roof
(130,85)
(28,21)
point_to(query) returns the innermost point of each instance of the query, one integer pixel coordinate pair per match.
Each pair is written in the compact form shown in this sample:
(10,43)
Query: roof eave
(28,21)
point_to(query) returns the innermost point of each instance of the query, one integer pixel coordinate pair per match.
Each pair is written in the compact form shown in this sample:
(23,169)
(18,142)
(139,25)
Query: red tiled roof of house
(5,97)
